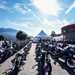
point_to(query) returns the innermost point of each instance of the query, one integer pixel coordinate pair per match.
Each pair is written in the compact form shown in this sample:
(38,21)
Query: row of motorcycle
(18,61)
(7,50)
(43,61)
(65,52)
(57,51)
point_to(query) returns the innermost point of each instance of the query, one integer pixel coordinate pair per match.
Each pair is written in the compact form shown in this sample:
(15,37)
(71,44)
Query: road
(58,69)
(30,63)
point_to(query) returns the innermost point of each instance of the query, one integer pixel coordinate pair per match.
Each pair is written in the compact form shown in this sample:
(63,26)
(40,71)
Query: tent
(41,35)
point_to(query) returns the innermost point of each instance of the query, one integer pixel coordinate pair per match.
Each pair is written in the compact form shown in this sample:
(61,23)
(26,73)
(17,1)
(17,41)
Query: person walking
(48,67)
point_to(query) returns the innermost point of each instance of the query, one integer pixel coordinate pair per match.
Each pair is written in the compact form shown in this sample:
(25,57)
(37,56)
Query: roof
(71,26)
(42,34)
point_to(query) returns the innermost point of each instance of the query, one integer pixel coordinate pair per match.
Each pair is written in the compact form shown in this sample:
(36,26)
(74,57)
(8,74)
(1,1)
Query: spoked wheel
(70,63)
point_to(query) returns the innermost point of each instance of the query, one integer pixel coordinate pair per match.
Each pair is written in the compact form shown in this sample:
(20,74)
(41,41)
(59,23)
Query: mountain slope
(8,33)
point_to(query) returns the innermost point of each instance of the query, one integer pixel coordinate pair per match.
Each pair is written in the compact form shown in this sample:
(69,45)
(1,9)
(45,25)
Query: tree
(21,35)
(1,37)
(53,33)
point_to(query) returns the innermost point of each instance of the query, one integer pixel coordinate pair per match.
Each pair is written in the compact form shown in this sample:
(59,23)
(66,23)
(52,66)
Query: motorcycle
(67,54)
(70,57)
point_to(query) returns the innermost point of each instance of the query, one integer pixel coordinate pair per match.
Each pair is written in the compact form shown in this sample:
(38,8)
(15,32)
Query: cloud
(3,2)
(65,22)
(27,26)
(20,24)
(21,8)
(3,5)
(51,7)
(70,8)
(33,29)
(54,25)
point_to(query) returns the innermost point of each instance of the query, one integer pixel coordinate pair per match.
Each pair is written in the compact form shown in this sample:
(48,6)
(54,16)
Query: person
(48,67)
(42,61)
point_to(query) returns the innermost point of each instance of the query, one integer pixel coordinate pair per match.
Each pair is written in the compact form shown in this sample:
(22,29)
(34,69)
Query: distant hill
(8,33)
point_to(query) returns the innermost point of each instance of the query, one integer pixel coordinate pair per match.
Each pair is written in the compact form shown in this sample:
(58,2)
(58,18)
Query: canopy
(42,34)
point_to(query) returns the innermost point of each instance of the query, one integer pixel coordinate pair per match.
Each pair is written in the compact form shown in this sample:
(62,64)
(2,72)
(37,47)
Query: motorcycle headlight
(74,56)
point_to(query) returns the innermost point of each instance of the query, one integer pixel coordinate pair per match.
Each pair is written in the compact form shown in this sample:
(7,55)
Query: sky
(32,16)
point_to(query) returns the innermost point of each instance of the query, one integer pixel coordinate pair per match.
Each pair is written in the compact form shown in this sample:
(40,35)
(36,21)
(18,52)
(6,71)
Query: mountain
(7,30)
(8,33)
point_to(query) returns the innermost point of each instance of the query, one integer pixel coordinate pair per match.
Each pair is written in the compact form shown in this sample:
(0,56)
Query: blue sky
(32,16)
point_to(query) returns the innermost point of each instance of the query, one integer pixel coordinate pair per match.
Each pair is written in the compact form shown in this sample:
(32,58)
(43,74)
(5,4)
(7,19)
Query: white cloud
(20,24)
(70,8)
(47,6)
(19,7)
(3,6)
(4,2)
(54,25)
(28,27)
(33,29)
(22,8)
(66,22)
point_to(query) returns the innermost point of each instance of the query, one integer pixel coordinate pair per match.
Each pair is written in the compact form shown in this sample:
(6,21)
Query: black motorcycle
(67,54)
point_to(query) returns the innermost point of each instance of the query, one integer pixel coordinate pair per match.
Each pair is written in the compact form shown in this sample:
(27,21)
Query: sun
(51,7)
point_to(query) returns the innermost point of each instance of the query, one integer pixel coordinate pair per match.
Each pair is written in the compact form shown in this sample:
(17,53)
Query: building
(69,32)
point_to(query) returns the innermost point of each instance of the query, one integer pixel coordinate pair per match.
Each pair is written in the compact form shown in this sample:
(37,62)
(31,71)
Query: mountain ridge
(9,33)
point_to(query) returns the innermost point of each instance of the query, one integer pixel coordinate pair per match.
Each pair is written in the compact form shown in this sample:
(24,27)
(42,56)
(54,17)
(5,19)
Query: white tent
(41,35)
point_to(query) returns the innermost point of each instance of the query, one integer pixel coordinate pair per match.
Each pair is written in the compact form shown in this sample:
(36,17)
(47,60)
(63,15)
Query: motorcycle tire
(70,63)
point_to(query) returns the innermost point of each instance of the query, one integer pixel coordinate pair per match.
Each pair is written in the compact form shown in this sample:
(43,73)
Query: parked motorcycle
(67,54)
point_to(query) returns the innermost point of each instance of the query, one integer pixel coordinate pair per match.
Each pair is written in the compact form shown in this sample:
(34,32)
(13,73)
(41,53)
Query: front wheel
(70,63)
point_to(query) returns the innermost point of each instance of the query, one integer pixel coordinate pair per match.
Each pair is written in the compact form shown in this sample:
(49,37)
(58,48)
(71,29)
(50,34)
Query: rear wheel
(70,63)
